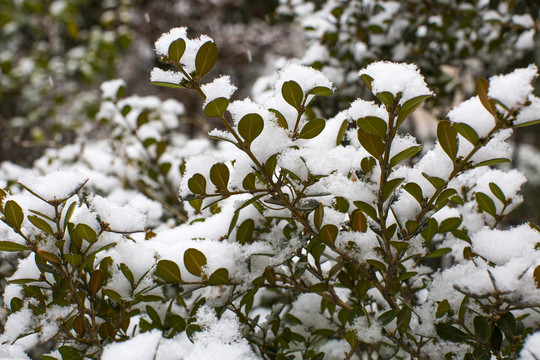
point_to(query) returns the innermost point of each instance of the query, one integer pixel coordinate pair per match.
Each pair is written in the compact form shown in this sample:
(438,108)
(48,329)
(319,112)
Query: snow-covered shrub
(304,237)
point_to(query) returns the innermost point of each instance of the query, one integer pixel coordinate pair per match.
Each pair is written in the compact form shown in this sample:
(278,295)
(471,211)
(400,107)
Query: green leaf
(404,318)
(482,328)
(443,309)
(387,98)
(249,182)
(197,184)
(11,246)
(467,132)
(486,204)
(389,187)
(219,277)
(372,143)
(367,209)
(444,195)
(14,214)
(528,123)
(321,91)
(219,175)
(318,216)
(86,232)
(328,234)
(430,230)
(358,221)
(250,126)
(96,281)
(168,271)
(492,162)
(113,295)
(435,181)
(41,224)
(127,273)
(415,190)
(194,260)
(69,213)
(312,129)
(507,323)
(352,339)
(373,125)
(449,224)
(368,80)
(482,86)
(377,265)
(292,93)
(341,132)
(448,139)
(167,85)
(280,119)
(206,58)
(438,253)
(387,317)
(496,190)
(405,154)
(152,313)
(245,231)
(409,107)
(450,333)
(367,164)
(216,107)
(177,49)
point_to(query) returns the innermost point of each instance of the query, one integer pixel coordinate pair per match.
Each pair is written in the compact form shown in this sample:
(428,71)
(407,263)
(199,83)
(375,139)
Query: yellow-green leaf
(250,127)
(177,49)
(206,58)
(168,271)
(216,107)
(194,260)
(312,129)
(14,214)
(219,175)
(292,93)
(448,139)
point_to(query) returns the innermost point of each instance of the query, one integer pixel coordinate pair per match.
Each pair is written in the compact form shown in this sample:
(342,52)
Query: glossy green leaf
(368,80)
(219,175)
(358,221)
(206,58)
(482,328)
(219,277)
(528,123)
(435,181)
(367,209)
(443,309)
(387,317)
(351,338)
(467,132)
(448,139)
(496,190)
(11,246)
(249,182)
(450,333)
(194,260)
(14,214)
(96,281)
(430,230)
(482,87)
(167,85)
(507,323)
(404,318)
(318,216)
(312,129)
(250,127)
(438,253)
(492,162)
(177,49)
(486,204)
(415,190)
(127,273)
(154,316)
(197,184)
(372,143)
(292,93)
(41,224)
(389,187)
(216,107)
(367,164)
(373,125)
(328,234)
(168,271)
(321,91)
(445,195)
(86,232)
(280,119)
(405,154)
(377,265)
(449,224)
(387,98)
(341,133)
(409,107)
(245,231)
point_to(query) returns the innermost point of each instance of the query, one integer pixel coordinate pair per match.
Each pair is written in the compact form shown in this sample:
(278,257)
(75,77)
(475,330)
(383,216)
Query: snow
(220,87)
(55,186)
(473,113)
(13,352)
(396,78)
(307,77)
(362,108)
(513,89)
(141,347)
(171,77)
(123,219)
(164,42)
(531,347)
(110,88)
(529,113)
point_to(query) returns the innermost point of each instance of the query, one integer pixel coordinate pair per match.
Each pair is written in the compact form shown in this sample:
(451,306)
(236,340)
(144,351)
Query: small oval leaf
(168,271)
(328,234)
(194,260)
(486,204)
(177,49)
(206,58)
(312,129)
(292,93)
(448,139)
(219,277)
(250,127)
(219,175)
(245,231)
(197,184)
(216,107)
(96,281)
(14,214)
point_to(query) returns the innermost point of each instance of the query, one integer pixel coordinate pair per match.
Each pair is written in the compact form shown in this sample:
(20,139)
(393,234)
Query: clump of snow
(220,87)
(530,112)
(474,114)
(110,88)
(307,77)
(17,324)
(171,77)
(13,352)
(165,40)
(513,89)
(57,185)
(123,219)
(396,78)
(367,332)
(141,347)
(362,108)
(531,347)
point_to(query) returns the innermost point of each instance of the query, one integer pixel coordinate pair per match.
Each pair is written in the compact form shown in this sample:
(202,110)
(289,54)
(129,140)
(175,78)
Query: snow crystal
(171,77)
(220,87)
(141,347)
(513,89)
(531,347)
(164,42)
(13,352)
(366,332)
(396,78)
(473,113)
(57,185)
(124,219)
(110,88)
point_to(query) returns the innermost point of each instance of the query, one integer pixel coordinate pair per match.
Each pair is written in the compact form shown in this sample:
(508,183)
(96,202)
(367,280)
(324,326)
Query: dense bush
(296,236)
